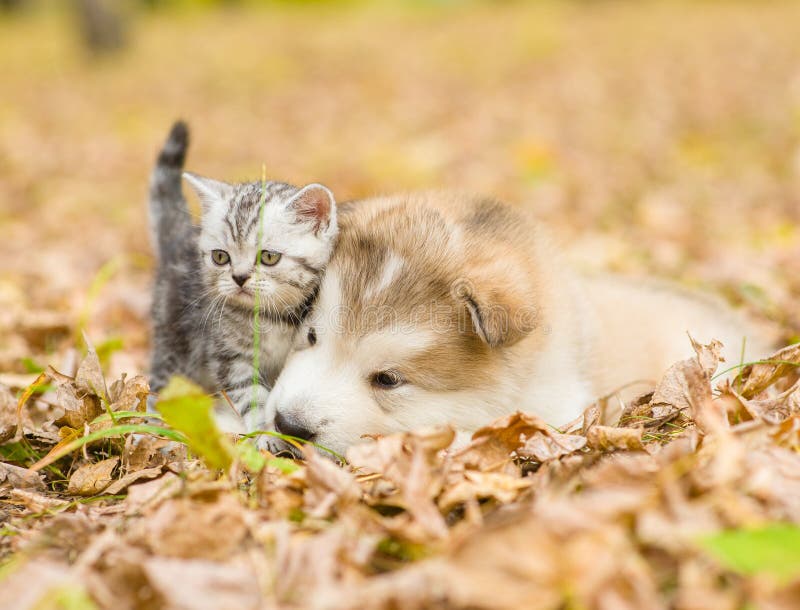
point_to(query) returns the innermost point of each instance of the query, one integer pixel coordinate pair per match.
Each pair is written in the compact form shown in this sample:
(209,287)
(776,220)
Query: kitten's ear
(211,192)
(315,204)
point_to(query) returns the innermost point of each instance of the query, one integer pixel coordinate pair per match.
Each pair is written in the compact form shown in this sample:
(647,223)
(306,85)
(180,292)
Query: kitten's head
(270,240)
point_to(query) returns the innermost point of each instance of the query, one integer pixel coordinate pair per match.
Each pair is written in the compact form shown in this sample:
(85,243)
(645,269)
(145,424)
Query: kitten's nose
(291,427)
(240,279)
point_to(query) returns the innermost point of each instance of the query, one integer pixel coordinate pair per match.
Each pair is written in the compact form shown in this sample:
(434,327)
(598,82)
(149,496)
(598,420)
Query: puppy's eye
(269,258)
(312,337)
(387,380)
(220,257)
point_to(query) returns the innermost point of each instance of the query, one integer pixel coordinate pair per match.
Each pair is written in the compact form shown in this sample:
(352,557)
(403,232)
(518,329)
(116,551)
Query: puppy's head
(415,325)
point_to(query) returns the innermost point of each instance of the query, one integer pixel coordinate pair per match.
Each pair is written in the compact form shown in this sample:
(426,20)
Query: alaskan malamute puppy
(438,308)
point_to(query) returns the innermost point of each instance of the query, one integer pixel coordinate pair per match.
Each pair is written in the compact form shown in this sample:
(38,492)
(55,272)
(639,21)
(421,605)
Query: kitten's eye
(387,380)
(269,258)
(220,257)
(312,337)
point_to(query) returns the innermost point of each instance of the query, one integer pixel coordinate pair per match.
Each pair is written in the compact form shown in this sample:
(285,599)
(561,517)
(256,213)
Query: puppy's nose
(241,279)
(291,427)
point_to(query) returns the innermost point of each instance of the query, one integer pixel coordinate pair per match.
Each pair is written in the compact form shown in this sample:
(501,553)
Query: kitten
(259,246)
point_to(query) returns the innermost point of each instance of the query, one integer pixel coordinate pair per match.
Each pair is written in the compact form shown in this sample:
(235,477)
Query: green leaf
(185,407)
(66,597)
(31,366)
(250,457)
(285,465)
(773,549)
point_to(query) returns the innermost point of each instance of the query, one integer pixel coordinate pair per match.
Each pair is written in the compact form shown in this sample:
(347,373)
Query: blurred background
(657,137)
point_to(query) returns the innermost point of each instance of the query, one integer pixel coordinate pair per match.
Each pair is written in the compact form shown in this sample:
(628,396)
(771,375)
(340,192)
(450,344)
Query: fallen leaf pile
(693,501)
(660,139)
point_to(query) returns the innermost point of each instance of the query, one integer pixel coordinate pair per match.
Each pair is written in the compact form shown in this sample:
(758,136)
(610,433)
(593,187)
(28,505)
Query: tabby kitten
(211,278)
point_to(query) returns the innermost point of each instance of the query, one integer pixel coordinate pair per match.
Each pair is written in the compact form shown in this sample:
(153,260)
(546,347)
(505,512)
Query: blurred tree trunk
(101,24)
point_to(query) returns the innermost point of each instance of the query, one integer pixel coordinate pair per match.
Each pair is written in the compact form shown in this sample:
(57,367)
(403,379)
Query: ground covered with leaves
(657,138)
(693,501)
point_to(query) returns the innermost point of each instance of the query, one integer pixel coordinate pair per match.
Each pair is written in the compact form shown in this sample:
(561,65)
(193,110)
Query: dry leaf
(24,586)
(409,462)
(19,478)
(492,446)
(606,438)
(687,387)
(755,378)
(329,486)
(129,394)
(89,378)
(35,502)
(482,485)
(80,406)
(771,410)
(8,415)
(132,477)
(189,528)
(197,584)
(545,446)
(92,479)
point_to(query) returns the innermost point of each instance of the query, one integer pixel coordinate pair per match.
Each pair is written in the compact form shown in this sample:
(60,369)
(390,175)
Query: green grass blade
(60,451)
(295,440)
(125,415)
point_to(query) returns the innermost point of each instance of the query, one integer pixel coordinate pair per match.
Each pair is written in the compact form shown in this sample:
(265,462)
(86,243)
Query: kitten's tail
(170,220)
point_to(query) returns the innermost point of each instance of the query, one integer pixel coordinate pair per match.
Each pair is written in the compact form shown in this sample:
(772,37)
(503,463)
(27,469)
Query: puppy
(439,308)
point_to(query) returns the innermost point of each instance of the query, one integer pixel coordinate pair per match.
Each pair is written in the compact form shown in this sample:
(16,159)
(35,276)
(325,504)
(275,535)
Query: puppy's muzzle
(292,426)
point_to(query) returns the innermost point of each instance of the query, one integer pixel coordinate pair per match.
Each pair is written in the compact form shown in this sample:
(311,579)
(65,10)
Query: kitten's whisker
(205,293)
(221,311)
(210,311)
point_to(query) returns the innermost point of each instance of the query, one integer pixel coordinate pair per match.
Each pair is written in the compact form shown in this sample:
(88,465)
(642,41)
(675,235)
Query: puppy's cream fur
(469,304)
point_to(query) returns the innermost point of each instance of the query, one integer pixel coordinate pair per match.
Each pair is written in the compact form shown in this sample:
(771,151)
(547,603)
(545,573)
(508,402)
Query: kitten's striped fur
(204,319)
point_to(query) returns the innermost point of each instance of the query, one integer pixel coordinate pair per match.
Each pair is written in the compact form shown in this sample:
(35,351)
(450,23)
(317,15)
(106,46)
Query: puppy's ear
(501,312)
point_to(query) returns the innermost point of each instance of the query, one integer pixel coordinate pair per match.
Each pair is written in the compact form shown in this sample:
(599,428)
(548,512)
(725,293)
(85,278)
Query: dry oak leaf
(92,479)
